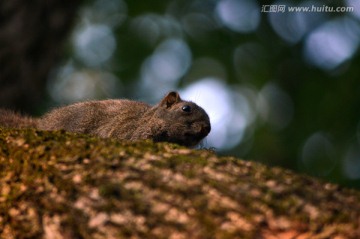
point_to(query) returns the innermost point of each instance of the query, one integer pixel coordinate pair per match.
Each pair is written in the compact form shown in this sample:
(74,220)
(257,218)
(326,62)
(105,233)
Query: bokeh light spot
(331,44)
(275,106)
(71,85)
(109,12)
(197,25)
(152,28)
(169,62)
(292,26)
(94,44)
(356,5)
(317,155)
(239,15)
(351,163)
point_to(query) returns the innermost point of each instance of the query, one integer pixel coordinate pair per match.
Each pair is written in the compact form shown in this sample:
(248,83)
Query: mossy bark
(61,185)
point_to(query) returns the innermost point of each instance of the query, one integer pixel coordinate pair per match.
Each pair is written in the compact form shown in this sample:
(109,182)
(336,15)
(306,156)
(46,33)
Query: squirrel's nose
(205,129)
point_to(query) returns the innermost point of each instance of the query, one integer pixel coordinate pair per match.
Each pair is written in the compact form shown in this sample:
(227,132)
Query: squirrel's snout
(205,129)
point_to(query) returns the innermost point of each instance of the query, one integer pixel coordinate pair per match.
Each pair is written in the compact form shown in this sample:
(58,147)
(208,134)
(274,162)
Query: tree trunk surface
(61,185)
(32,35)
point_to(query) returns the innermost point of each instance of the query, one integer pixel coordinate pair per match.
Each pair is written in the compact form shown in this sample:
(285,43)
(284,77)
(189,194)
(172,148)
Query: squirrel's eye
(186,108)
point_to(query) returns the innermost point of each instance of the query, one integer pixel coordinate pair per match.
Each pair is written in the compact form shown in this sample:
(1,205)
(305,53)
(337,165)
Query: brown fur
(15,120)
(132,120)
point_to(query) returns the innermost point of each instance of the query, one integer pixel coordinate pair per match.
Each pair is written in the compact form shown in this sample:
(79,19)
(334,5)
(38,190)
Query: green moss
(85,187)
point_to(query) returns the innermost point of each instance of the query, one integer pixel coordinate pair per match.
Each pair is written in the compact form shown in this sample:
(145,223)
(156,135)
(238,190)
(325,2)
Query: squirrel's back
(99,118)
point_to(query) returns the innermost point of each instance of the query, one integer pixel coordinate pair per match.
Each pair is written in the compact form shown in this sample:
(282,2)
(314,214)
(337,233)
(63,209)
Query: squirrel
(171,120)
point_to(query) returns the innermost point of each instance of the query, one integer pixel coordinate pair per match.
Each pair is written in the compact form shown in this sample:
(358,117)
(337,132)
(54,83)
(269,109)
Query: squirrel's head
(180,122)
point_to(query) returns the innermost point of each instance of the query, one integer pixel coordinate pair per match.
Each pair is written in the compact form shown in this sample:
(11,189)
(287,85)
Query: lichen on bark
(62,185)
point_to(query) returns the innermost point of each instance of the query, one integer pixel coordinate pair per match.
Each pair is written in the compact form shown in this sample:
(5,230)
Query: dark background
(280,87)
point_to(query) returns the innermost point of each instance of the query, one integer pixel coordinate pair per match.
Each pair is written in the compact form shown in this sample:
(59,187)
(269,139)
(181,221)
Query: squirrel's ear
(170,99)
